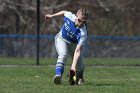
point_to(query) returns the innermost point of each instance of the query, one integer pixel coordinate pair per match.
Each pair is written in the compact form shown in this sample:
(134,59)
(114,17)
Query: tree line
(106,17)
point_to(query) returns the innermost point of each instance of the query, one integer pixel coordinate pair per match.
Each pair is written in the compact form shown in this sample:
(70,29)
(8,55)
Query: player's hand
(48,16)
(72,68)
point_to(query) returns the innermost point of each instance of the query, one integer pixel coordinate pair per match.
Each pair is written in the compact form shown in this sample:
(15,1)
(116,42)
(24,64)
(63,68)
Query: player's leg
(80,71)
(61,48)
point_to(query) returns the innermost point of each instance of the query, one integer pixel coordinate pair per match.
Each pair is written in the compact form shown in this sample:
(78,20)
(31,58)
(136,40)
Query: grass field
(101,76)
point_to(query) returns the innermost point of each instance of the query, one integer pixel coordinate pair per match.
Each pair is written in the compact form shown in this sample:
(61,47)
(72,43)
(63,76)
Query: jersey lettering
(70,32)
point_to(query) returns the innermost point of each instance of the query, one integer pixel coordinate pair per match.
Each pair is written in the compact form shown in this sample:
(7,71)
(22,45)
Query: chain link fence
(113,27)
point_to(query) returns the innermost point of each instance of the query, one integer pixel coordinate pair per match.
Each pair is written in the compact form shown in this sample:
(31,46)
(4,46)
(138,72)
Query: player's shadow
(90,84)
(65,83)
(97,84)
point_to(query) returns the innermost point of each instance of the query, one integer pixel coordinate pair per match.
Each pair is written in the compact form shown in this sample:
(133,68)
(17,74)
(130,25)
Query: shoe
(71,77)
(80,81)
(57,80)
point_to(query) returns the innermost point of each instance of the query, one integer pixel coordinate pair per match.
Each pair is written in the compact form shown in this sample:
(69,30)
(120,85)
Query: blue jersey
(70,32)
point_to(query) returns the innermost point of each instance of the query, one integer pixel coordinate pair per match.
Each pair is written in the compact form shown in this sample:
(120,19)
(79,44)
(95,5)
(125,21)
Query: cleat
(57,80)
(80,81)
(72,80)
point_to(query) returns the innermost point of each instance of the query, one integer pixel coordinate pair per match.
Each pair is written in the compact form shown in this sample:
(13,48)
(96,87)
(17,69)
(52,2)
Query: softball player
(71,37)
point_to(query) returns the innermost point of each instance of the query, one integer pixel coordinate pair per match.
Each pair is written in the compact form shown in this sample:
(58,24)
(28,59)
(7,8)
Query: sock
(59,68)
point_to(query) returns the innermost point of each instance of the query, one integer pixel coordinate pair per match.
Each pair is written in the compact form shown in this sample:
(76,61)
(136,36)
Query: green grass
(103,76)
(24,79)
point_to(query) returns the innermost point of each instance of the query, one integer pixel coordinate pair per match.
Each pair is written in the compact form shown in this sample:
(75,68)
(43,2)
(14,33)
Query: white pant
(63,47)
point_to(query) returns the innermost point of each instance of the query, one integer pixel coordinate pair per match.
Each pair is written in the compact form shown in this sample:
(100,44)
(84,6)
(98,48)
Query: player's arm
(56,14)
(79,48)
(77,54)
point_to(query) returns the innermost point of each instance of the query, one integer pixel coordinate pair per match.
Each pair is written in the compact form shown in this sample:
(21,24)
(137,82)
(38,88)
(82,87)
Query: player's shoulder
(70,15)
(83,30)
